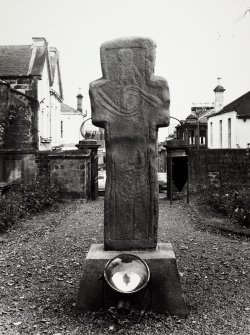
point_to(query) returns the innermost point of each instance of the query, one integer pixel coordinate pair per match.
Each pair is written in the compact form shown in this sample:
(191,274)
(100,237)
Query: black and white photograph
(125,167)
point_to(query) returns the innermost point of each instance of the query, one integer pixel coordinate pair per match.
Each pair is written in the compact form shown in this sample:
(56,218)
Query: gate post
(93,146)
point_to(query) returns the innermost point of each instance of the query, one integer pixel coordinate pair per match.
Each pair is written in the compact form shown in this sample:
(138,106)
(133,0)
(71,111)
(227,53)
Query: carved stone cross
(130,103)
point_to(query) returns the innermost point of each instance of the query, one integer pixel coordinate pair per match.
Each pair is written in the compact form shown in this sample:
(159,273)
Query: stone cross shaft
(130,103)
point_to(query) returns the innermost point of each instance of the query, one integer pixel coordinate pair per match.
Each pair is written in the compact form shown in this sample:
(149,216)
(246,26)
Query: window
(220,133)
(61,129)
(202,136)
(229,133)
(191,137)
(211,134)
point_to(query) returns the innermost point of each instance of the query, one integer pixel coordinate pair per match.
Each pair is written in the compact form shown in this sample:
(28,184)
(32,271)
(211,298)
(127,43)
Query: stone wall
(72,172)
(18,120)
(17,165)
(219,166)
(26,85)
(42,162)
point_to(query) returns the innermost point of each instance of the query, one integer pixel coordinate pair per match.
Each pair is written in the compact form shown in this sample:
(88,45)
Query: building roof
(66,109)
(219,88)
(21,60)
(15,60)
(192,117)
(240,105)
(26,60)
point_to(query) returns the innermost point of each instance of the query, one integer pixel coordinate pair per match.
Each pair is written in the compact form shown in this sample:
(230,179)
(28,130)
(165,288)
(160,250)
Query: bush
(231,200)
(22,200)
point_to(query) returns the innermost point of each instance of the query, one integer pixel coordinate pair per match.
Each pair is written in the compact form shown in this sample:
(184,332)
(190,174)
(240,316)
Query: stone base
(162,294)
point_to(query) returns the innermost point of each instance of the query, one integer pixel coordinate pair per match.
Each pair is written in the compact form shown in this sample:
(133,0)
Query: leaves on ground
(41,262)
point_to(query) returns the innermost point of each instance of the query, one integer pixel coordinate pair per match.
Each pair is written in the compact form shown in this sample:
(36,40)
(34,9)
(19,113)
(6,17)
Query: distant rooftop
(66,109)
(15,60)
(219,88)
(241,105)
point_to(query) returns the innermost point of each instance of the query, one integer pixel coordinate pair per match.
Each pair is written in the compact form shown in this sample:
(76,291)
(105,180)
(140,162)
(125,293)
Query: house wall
(55,108)
(214,141)
(43,96)
(71,128)
(55,105)
(243,132)
(227,165)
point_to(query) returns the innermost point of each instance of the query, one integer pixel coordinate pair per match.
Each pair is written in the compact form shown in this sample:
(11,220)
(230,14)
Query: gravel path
(41,265)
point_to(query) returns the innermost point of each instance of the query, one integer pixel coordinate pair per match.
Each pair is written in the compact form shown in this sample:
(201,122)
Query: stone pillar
(130,103)
(93,146)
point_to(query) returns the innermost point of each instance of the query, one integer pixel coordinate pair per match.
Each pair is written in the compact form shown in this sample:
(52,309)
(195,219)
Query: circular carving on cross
(135,183)
(130,100)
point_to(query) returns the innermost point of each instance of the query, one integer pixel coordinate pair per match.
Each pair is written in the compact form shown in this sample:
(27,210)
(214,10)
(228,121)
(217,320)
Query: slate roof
(69,110)
(15,60)
(240,105)
(25,60)
(21,60)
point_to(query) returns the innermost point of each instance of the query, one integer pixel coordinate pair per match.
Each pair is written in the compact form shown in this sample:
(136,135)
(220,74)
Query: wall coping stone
(71,154)
(17,151)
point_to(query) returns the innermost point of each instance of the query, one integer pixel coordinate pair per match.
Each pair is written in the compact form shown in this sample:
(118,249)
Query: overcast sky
(197,41)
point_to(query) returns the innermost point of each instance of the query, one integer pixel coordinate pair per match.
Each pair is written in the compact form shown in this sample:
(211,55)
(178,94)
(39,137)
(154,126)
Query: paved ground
(41,264)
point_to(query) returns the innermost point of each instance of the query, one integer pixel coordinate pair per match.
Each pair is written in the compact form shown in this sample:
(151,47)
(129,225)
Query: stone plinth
(163,292)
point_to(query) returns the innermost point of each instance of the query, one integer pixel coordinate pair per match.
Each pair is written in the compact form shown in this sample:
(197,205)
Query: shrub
(22,200)
(231,200)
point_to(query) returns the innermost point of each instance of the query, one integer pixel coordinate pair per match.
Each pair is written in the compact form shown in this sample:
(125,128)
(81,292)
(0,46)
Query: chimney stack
(79,100)
(39,41)
(219,95)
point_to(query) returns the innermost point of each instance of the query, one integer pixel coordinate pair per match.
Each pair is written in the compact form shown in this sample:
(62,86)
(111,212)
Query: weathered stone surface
(18,119)
(130,103)
(162,294)
(71,170)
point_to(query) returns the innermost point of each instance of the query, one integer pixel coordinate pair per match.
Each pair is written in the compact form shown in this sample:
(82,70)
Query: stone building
(18,133)
(31,100)
(34,71)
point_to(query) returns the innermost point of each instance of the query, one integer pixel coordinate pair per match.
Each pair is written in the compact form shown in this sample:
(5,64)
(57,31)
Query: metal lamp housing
(126,274)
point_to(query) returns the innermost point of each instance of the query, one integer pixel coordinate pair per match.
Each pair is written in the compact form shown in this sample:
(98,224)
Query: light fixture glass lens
(127,273)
